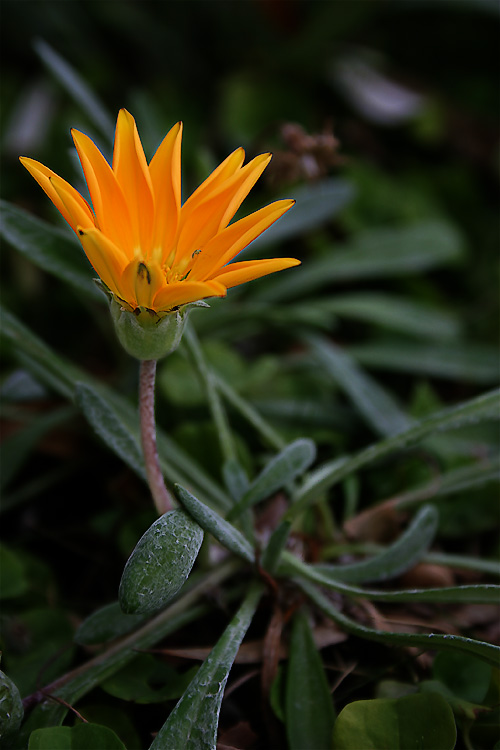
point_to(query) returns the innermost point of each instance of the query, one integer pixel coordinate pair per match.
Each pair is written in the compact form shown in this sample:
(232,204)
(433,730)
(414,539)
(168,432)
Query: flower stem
(154,474)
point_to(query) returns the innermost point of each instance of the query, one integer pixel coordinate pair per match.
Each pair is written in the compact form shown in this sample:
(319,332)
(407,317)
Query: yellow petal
(107,259)
(248,270)
(183,292)
(244,185)
(226,245)
(223,172)
(219,206)
(80,214)
(165,171)
(140,282)
(44,177)
(132,174)
(107,198)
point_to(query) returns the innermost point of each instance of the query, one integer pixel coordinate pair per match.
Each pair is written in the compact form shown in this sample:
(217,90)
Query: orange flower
(151,252)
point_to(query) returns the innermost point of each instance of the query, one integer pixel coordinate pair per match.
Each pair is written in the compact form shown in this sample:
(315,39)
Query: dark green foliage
(332,430)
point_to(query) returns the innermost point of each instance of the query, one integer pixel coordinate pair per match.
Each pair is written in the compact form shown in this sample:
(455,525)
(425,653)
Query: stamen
(143,271)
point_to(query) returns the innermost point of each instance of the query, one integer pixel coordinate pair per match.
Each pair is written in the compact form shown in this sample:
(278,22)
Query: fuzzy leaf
(106,624)
(394,560)
(11,709)
(54,250)
(209,520)
(192,725)
(428,641)
(160,563)
(282,469)
(309,707)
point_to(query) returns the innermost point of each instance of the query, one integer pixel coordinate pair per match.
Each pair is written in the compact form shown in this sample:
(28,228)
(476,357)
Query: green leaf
(192,725)
(472,594)
(315,204)
(467,677)
(148,680)
(373,402)
(428,641)
(52,738)
(309,707)
(275,546)
(235,478)
(79,737)
(85,736)
(394,560)
(17,447)
(77,87)
(281,470)
(11,709)
(395,313)
(88,676)
(13,580)
(419,721)
(110,426)
(267,432)
(474,363)
(374,253)
(40,643)
(484,407)
(106,624)
(62,376)
(49,248)
(210,521)
(160,563)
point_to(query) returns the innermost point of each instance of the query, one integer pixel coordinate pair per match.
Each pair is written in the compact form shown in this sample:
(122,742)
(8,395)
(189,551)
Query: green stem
(214,402)
(147,376)
(250,413)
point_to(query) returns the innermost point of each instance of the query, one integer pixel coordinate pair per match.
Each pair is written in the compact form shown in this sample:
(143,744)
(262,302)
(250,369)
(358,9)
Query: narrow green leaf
(250,413)
(394,560)
(373,402)
(11,710)
(192,725)
(54,250)
(17,447)
(217,411)
(374,253)
(110,427)
(466,477)
(210,521)
(235,478)
(396,313)
(85,678)
(413,721)
(484,407)
(160,563)
(472,594)
(275,547)
(475,363)
(62,376)
(309,707)
(77,88)
(427,641)
(281,470)
(106,624)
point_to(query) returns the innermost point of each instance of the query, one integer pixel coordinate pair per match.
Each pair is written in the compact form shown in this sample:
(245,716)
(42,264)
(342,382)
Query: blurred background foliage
(383,120)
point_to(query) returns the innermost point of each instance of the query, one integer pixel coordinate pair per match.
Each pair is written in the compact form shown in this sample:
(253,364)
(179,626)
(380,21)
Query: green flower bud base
(145,335)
